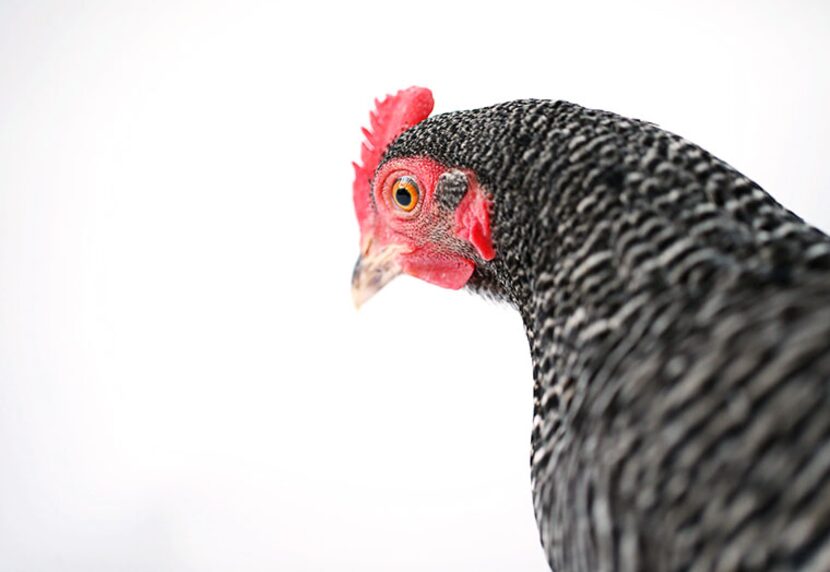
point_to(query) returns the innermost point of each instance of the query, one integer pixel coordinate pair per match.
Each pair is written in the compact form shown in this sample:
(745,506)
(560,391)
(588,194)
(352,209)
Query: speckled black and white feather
(679,325)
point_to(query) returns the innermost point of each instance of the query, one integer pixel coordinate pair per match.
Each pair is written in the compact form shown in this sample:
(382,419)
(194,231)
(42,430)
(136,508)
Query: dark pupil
(403,196)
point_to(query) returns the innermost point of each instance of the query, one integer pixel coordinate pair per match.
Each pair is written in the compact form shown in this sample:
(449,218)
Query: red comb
(391,117)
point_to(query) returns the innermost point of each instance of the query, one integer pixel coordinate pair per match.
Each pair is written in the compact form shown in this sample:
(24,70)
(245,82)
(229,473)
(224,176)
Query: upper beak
(376,267)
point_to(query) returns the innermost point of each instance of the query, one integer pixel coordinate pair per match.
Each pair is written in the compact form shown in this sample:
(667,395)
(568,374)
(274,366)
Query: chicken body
(679,326)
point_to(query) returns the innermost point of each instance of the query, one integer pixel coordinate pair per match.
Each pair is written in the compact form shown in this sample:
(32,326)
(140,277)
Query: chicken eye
(405,193)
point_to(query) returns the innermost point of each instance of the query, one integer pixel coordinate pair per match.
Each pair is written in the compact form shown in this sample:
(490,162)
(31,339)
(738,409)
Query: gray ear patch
(451,188)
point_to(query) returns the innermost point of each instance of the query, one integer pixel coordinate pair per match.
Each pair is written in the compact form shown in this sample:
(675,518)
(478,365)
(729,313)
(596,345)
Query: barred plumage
(679,325)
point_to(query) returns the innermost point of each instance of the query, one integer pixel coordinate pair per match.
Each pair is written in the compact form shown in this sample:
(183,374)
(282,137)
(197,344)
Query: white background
(184,383)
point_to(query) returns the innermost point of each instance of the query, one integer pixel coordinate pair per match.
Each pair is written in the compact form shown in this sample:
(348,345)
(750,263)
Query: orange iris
(405,193)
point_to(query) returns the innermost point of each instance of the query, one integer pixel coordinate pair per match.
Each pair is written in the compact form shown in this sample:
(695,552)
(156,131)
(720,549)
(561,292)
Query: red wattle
(450,272)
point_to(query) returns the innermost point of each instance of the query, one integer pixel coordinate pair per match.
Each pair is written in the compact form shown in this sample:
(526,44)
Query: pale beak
(375,268)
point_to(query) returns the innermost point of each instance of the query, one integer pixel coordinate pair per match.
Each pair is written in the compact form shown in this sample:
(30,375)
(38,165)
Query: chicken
(678,320)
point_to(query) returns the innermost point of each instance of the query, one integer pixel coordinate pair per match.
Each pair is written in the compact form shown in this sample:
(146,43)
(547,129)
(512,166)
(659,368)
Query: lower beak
(375,268)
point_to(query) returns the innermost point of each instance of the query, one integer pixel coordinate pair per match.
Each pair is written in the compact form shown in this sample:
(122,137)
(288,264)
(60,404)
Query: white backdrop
(184,383)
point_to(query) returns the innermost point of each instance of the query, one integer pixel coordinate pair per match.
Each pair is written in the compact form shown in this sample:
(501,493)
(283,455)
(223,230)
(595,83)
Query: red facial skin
(428,233)
(391,117)
(428,242)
